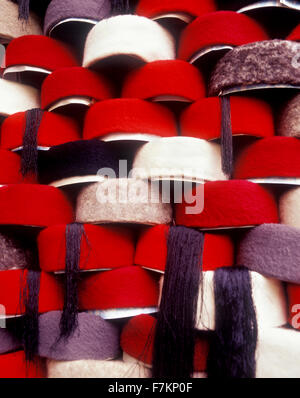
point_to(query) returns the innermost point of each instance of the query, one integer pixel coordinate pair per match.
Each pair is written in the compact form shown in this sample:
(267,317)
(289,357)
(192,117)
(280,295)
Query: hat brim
(276,181)
(140,137)
(253,87)
(85,101)
(221,49)
(120,313)
(77,180)
(268,4)
(67,20)
(181,16)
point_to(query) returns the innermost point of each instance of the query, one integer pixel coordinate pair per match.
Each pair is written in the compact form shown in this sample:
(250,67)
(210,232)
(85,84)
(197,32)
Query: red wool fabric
(34,205)
(39,51)
(151,250)
(154,8)
(128,116)
(102,247)
(295,34)
(165,78)
(270,157)
(127,287)
(10,166)
(54,130)
(293,292)
(249,116)
(219,28)
(137,340)
(51,295)
(77,81)
(15,366)
(229,204)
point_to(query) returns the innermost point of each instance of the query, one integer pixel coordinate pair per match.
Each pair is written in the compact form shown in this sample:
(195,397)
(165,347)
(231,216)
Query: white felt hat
(289,208)
(130,35)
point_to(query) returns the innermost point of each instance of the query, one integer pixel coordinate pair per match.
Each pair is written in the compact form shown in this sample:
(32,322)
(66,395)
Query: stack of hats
(149,189)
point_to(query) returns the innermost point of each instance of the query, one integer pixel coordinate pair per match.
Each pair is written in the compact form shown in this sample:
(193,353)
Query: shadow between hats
(30,78)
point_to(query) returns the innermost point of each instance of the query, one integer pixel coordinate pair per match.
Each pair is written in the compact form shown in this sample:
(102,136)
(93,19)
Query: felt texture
(126,287)
(230,204)
(137,341)
(155,8)
(13,282)
(94,338)
(218,28)
(14,366)
(97,249)
(14,252)
(151,249)
(268,297)
(16,97)
(128,116)
(129,35)
(289,208)
(266,62)
(75,81)
(93,10)
(293,295)
(289,124)
(8,342)
(53,130)
(10,166)
(165,78)
(34,205)
(249,116)
(11,27)
(95,369)
(117,203)
(39,51)
(179,158)
(75,159)
(269,157)
(273,251)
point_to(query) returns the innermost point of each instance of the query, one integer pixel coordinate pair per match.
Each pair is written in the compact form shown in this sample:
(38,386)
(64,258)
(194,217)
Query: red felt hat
(102,248)
(131,116)
(152,247)
(13,282)
(10,166)
(218,28)
(270,157)
(163,79)
(295,34)
(34,205)
(77,82)
(122,288)
(293,292)
(53,130)
(137,340)
(158,8)
(39,51)
(229,204)
(15,366)
(249,116)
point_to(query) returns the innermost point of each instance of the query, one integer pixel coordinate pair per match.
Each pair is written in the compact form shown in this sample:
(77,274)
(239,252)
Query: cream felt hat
(11,27)
(289,208)
(289,124)
(179,158)
(16,97)
(122,201)
(130,35)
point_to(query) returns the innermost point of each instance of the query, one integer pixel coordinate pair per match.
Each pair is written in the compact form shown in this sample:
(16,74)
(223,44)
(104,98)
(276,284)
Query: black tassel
(226,137)
(31,317)
(174,341)
(120,7)
(30,151)
(69,318)
(24,7)
(233,347)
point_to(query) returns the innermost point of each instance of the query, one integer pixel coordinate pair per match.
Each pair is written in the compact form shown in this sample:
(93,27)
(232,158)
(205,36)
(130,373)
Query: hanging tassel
(69,318)
(120,7)
(30,151)
(233,347)
(31,319)
(226,137)
(24,8)
(174,341)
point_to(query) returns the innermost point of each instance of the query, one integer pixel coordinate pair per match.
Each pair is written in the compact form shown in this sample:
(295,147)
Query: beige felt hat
(12,27)
(130,35)
(289,208)
(122,201)
(179,158)
(16,97)
(268,298)
(289,124)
